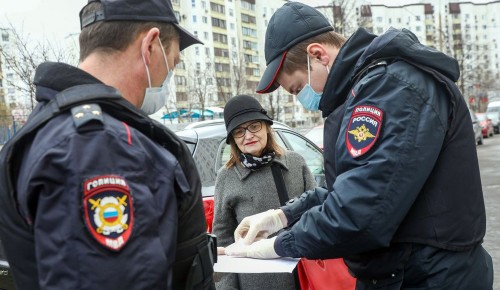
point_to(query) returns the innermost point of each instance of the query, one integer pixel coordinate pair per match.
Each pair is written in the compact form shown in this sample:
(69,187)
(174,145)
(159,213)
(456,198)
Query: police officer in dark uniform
(403,203)
(95,194)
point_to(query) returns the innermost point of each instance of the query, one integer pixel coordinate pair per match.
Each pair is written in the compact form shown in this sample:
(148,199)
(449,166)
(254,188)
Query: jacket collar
(53,77)
(343,68)
(244,172)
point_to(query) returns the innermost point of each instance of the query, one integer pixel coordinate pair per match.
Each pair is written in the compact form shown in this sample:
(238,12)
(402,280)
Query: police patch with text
(363,129)
(108,210)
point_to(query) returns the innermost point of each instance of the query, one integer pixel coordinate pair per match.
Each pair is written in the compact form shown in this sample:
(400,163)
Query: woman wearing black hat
(245,185)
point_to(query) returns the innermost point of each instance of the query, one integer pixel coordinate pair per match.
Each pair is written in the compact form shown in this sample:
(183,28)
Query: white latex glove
(263,249)
(259,226)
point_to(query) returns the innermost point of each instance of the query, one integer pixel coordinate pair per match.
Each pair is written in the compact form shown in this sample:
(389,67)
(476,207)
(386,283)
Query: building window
(221,67)
(193,3)
(197,50)
(219,37)
(217,8)
(250,45)
(231,13)
(218,22)
(203,4)
(205,35)
(231,25)
(248,19)
(221,52)
(204,19)
(207,51)
(417,18)
(249,31)
(194,18)
(248,5)
(177,16)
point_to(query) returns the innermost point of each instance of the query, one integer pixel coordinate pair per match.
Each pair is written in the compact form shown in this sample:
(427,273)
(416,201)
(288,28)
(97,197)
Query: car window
(315,135)
(493,109)
(313,157)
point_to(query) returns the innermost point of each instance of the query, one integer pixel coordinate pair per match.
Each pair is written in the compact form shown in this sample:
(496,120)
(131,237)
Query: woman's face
(251,137)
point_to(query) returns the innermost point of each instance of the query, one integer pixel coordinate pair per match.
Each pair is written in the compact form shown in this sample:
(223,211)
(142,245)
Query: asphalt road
(489,162)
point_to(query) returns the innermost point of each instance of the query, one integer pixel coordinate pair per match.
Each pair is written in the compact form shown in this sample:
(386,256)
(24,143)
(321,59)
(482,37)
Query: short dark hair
(113,36)
(296,56)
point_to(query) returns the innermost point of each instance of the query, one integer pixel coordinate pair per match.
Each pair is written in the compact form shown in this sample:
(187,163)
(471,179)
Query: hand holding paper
(263,249)
(259,226)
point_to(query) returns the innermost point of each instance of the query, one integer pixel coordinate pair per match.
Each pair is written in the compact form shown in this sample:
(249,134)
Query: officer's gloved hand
(259,226)
(263,249)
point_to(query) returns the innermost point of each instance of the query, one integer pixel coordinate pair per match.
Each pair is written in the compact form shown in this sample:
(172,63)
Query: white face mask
(308,97)
(156,97)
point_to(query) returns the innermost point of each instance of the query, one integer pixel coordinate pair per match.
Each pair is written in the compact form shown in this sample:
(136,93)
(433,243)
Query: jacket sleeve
(223,226)
(373,192)
(309,181)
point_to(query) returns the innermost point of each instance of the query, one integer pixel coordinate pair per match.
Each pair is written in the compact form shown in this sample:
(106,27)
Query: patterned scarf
(254,163)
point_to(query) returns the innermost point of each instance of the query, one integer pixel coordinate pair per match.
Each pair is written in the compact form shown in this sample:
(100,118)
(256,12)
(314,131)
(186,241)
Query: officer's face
(294,82)
(173,58)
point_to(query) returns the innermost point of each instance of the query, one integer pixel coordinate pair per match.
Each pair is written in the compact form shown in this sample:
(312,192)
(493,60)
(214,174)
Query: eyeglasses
(252,128)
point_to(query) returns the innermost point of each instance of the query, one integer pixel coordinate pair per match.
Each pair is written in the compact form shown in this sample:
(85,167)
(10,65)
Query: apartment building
(231,60)
(468,31)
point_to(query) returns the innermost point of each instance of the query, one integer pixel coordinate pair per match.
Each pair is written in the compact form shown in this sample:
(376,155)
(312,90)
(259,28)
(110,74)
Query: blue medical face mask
(308,97)
(156,97)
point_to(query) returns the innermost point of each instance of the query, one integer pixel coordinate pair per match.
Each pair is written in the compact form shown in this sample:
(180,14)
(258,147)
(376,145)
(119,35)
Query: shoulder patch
(108,210)
(363,129)
(86,113)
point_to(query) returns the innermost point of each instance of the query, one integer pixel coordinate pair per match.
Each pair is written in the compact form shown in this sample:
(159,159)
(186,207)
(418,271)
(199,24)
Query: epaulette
(87,117)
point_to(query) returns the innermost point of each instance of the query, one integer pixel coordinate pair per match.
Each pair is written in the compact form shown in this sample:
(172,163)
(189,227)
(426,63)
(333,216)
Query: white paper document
(228,264)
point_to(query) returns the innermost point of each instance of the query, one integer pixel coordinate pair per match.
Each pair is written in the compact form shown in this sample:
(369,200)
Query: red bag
(329,274)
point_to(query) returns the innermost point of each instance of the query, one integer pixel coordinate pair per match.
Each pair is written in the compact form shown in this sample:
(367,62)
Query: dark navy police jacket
(97,204)
(400,160)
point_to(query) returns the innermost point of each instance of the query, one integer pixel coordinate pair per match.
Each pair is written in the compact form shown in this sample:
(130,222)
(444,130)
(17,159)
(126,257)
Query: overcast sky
(55,19)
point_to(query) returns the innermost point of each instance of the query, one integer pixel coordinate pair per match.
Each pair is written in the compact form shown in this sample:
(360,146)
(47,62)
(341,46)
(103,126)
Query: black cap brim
(185,37)
(243,118)
(268,82)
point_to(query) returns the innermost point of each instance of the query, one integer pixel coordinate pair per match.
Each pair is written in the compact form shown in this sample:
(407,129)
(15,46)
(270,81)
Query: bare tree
(341,14)
(239,73)
(24,56)
(199,88)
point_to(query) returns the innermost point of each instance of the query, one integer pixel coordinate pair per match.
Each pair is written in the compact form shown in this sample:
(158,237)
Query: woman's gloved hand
(259,226)
(262,249)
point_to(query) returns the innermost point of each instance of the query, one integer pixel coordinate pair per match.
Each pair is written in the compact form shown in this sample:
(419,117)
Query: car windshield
(481,117)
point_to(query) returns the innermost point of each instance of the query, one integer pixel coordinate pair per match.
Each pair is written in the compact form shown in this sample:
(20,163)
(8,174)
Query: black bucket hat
(241,109)
(291,24)
(139,10)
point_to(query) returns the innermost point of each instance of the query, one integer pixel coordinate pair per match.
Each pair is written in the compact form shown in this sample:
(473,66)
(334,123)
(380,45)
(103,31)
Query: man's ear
(148,43)
(319,52)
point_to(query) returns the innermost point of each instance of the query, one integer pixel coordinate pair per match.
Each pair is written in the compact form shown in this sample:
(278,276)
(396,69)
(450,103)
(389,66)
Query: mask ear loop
(164,55)
(147,69)
(308,70)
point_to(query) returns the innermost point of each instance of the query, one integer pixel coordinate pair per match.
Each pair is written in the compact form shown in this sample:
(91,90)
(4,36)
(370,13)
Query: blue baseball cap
(291,24)
(139,10)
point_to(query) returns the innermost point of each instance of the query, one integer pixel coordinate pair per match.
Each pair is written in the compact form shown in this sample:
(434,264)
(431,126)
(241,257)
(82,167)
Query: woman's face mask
(308,97)
(156,97)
